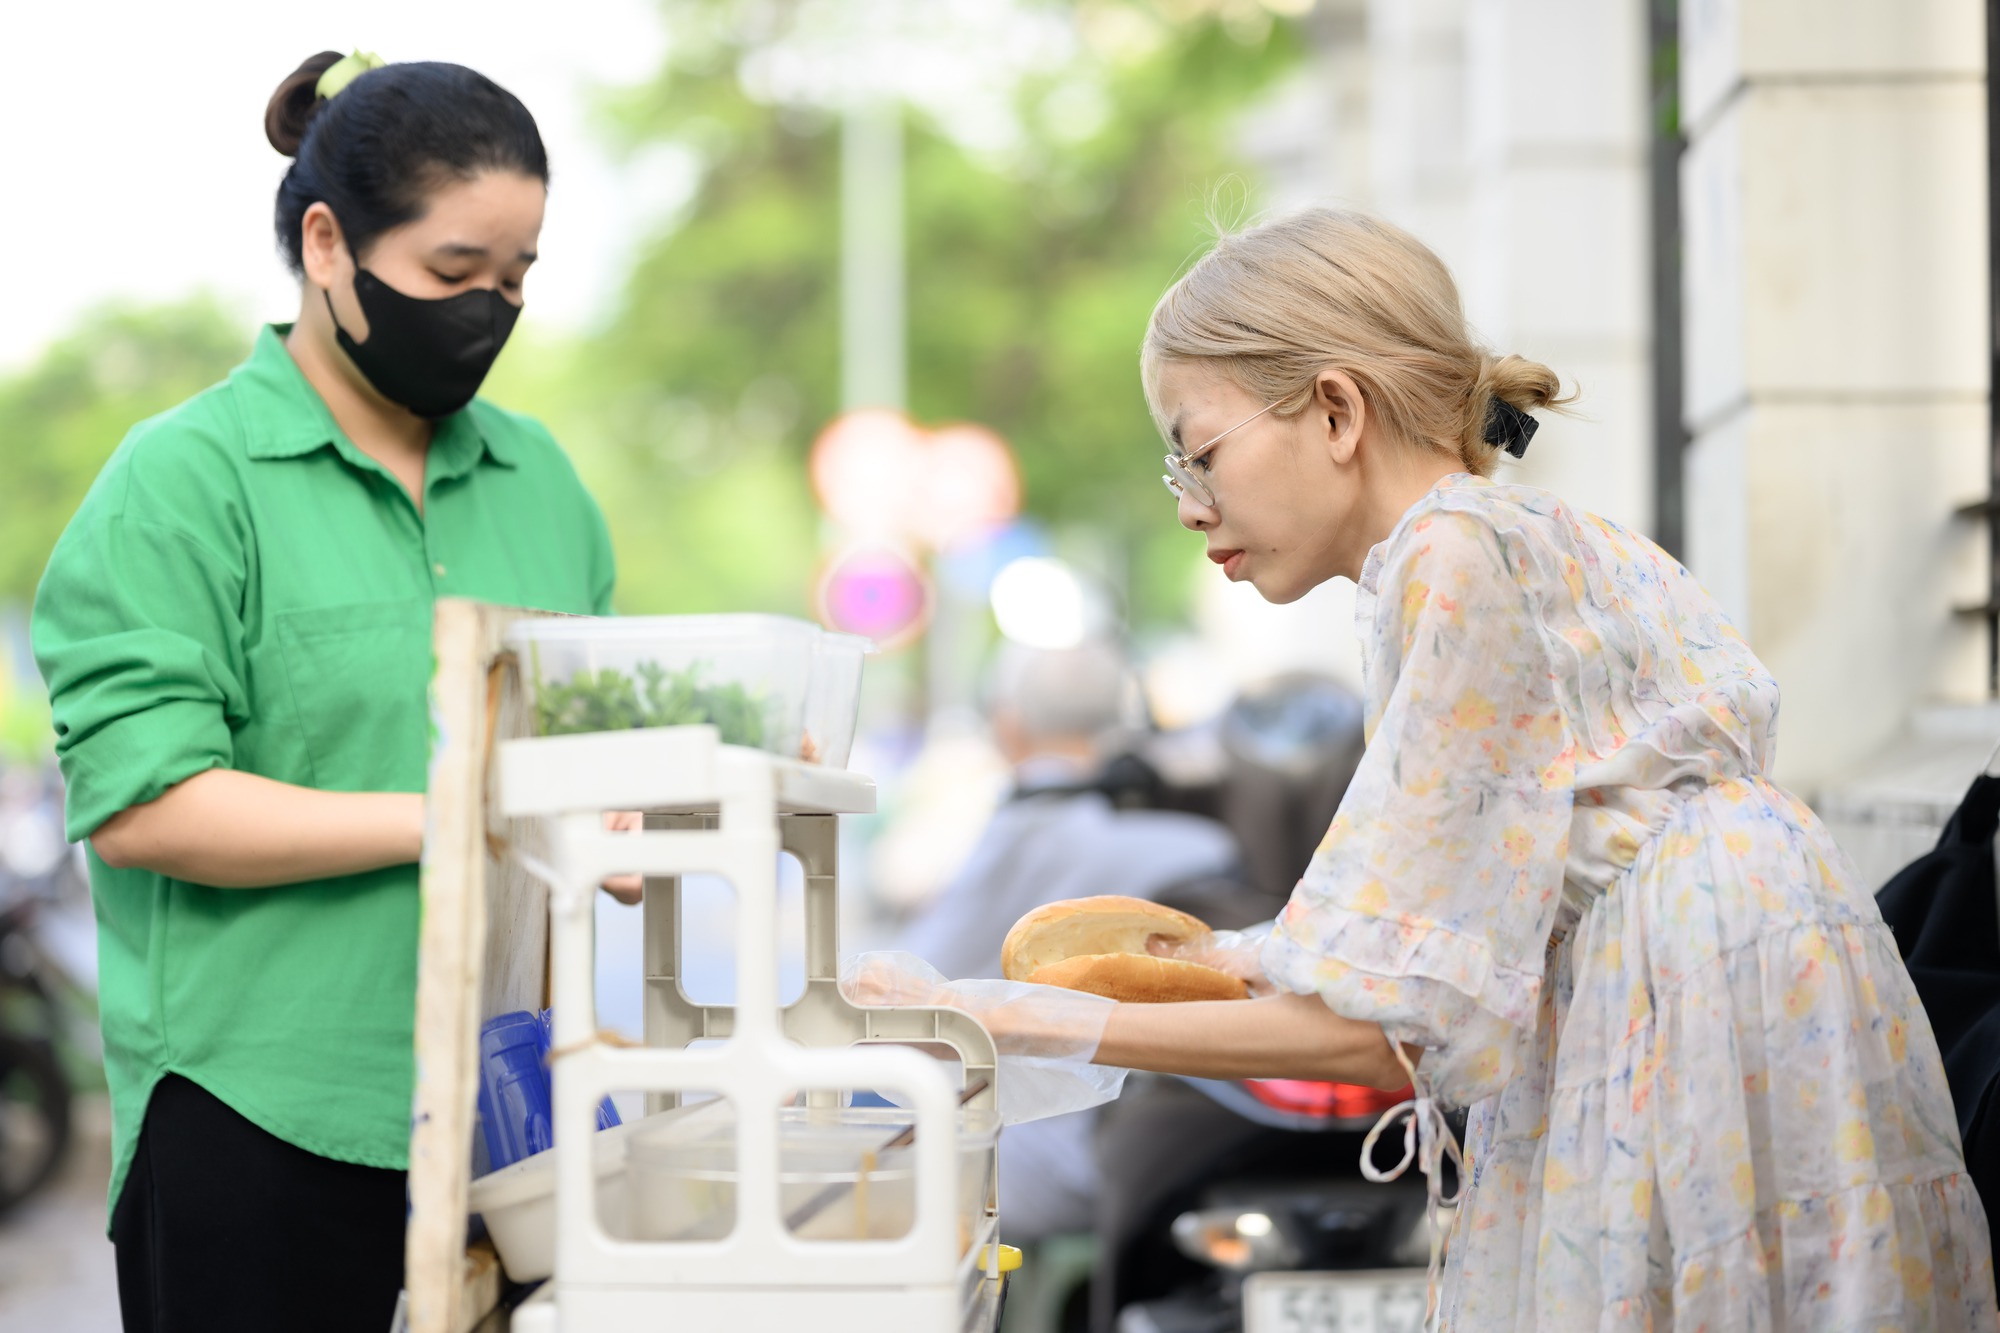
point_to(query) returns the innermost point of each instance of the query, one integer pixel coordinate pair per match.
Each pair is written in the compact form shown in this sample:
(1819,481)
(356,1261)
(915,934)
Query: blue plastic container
(516,1104)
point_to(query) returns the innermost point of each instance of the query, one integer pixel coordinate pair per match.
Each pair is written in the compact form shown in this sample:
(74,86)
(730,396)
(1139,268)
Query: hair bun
(293,106)
(1520,383)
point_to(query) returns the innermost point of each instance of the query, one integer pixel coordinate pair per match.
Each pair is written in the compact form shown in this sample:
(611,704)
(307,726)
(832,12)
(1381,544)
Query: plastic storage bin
(757,679)
(681,1177)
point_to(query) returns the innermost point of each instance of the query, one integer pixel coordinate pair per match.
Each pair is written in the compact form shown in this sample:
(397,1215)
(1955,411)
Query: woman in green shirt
(235,631)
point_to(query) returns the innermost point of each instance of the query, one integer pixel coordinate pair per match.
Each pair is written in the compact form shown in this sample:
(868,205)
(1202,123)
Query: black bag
(1944,912)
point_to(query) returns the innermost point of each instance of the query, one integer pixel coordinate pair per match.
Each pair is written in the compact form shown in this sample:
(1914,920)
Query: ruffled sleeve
(1429,905)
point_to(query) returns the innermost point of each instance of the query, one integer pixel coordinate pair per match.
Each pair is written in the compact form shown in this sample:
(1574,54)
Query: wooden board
(483,950)
(479,1311)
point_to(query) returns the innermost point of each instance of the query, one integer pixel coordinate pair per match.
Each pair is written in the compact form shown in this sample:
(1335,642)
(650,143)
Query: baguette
(1100,945)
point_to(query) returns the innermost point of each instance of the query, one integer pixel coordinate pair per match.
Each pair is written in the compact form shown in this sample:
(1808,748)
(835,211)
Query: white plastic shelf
(728,811)
(667,770)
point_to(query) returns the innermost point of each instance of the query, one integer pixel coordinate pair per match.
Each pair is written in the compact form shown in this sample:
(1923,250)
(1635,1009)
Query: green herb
(610,700)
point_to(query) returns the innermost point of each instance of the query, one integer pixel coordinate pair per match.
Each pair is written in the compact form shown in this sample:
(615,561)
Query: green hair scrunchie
(345,71)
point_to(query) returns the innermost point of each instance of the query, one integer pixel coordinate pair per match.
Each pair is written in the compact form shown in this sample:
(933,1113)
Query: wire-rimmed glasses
(1181,479)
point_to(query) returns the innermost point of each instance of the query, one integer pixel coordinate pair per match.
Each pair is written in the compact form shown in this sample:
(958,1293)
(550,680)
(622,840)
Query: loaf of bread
(1100,945)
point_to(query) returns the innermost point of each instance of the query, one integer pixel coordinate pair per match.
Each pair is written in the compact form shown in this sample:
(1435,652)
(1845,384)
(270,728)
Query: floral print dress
(1703,1093)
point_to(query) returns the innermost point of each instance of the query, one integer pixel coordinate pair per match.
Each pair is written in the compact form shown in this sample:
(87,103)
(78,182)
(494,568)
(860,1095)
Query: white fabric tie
(1427,1141)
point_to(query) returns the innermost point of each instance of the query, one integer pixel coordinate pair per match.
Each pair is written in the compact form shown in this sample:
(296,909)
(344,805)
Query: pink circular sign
(877,592)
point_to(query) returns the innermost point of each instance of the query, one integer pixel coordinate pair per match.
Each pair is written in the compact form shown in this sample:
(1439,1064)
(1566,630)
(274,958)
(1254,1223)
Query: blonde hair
(1273,306)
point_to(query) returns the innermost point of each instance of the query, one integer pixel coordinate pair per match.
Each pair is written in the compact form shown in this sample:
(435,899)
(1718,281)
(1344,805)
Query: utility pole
(873,357)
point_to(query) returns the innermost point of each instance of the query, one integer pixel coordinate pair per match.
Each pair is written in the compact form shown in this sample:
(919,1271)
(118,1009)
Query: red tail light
(1325,1101)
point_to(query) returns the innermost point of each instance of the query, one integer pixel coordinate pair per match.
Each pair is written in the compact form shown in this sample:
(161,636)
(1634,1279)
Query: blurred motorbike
(1251,1215)
(34,1090)
(47,979)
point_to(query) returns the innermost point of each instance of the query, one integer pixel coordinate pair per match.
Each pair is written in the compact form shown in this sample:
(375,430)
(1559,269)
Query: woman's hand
(236,830)
(1045,1036)
(1046,1022)
(1236,952)
(627,889)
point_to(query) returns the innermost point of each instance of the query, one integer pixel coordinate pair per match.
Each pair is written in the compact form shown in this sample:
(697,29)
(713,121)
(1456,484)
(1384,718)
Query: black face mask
(430,356)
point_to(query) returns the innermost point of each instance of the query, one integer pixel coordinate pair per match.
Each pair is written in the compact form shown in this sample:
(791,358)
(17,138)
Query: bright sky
(138,167)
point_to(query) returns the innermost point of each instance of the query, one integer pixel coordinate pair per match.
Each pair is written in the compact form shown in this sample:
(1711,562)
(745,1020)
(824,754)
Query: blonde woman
(1562,890)
(1702,1091)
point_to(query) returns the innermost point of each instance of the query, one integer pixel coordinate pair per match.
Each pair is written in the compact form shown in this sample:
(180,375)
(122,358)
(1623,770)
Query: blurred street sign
(867,471)
(877,592)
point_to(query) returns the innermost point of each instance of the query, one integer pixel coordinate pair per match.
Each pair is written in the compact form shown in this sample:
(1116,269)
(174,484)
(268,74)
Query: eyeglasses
(1180,478)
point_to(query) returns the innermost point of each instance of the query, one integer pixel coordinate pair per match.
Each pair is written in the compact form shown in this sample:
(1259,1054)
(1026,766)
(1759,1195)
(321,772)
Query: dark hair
(390,137)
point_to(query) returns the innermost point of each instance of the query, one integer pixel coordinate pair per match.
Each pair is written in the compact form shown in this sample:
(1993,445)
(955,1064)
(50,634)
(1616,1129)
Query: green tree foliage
(1031,273)
(61,417)
(1032,268)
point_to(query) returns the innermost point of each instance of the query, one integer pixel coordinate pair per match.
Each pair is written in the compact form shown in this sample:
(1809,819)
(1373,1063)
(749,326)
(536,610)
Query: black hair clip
(1509,427)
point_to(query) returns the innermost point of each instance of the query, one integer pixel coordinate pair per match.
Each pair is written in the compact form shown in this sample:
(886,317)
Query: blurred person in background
(1283,753)
(235,630)
(1058,716)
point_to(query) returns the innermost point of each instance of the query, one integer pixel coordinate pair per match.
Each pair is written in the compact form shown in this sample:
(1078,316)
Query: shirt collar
(287,418)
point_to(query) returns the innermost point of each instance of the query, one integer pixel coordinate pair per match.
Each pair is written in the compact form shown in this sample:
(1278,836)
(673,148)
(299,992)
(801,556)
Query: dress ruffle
(1430,988)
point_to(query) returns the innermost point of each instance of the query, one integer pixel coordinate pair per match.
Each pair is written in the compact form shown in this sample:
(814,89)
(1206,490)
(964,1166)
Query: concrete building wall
(1511,136)
(1419,123)
(1557,230)
(1834,215)
(1834,243)
(1310,137)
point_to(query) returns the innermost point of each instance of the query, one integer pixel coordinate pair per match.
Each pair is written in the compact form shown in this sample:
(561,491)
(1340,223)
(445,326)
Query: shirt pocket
(360,674)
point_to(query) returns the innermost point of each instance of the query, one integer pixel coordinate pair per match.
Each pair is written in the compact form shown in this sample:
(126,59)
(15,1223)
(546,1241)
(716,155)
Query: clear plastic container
(833,697)
(749,676)
(682,1177)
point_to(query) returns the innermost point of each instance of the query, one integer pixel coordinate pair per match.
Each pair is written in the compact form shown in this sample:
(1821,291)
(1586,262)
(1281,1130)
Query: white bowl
(519,1203)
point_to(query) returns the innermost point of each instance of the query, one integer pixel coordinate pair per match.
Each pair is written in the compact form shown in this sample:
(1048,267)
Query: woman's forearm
(239,831)
(1279,1036)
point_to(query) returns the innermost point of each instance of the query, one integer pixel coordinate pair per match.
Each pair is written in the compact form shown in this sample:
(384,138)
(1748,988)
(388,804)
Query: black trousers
(222,1227)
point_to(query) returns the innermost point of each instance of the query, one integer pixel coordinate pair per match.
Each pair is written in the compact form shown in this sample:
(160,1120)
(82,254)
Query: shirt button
(438,570)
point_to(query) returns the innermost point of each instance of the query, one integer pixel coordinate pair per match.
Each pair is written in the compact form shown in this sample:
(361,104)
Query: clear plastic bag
(1046,1036)
(1237,952)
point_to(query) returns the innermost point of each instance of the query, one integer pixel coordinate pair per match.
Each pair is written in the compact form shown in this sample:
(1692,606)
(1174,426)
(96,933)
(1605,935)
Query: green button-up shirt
(243,588)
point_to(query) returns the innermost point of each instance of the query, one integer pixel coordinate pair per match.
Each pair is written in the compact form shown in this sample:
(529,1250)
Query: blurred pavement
(56,1273)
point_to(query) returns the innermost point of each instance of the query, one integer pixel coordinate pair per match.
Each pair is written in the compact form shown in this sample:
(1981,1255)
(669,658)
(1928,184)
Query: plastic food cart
(719,1248)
